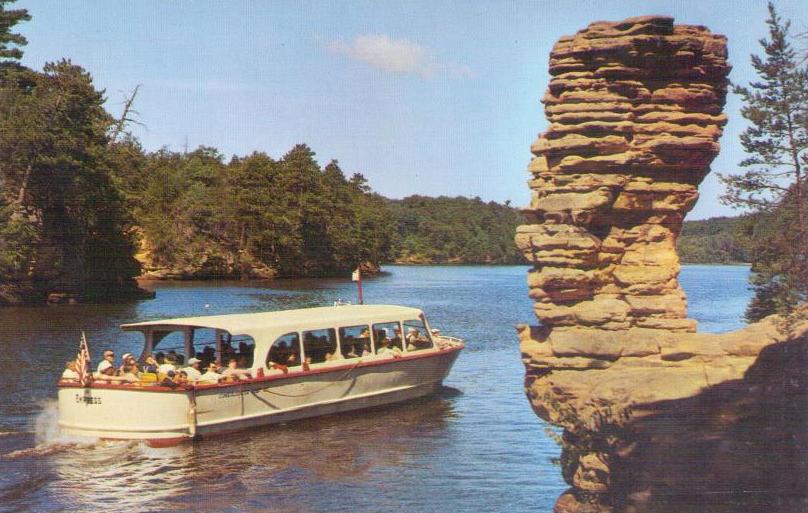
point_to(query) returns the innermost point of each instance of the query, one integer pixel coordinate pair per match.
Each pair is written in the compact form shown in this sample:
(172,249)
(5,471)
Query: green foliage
(769,238)
(454,230)
(64,223)
(10,42)
(773,185)
(711,241)
(288,215)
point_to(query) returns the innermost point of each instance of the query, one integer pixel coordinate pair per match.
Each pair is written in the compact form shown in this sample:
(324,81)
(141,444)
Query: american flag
(83,362)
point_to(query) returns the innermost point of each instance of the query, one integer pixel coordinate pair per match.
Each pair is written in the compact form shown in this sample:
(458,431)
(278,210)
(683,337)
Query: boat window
(416,335)
(285,351)
(320,345)
(169,347)
(355,341)
(390,331)
(240,347)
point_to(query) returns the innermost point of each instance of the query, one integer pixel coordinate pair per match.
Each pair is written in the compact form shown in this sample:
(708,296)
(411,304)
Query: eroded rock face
(635,116)
(635,112)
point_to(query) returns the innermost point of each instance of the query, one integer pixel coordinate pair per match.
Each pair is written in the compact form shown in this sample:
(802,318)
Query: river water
(474,447)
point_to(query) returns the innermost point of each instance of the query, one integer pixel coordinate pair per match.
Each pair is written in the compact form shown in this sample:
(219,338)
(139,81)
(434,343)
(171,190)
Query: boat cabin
(263,342)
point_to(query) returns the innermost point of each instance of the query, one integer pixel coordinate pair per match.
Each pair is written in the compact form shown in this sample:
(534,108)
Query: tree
(10,42)
(776,142)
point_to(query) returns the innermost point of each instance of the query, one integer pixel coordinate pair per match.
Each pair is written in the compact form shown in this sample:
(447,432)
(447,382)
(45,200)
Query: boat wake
(47,436)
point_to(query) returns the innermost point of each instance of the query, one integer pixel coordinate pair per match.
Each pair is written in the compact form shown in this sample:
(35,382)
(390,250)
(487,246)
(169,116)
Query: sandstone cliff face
(635,116)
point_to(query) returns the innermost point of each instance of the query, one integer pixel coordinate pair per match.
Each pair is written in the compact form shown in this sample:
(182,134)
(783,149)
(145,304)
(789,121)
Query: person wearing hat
(192,370)
(127,360)
(107,363)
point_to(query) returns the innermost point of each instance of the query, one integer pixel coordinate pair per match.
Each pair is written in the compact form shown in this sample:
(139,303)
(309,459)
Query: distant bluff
(656,417)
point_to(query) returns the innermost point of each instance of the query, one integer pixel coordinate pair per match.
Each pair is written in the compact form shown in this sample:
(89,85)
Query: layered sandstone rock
(635,116)
(651,410)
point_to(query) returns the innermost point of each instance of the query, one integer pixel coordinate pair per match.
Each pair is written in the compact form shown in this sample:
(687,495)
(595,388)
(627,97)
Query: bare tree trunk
(24,187)
(127,108)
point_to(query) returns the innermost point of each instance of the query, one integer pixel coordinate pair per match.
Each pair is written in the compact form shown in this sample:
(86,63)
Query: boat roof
(293,319)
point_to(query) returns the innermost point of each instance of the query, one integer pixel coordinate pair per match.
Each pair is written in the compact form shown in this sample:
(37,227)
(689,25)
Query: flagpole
(357,277)
(359,284)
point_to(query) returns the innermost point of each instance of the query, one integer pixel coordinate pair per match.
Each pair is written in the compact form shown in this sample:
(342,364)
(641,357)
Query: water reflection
(345,449)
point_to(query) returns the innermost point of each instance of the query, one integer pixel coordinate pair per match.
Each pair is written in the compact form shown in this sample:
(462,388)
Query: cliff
(655,415)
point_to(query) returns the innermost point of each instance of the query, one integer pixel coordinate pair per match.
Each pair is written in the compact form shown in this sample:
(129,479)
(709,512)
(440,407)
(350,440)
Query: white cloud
(396,56)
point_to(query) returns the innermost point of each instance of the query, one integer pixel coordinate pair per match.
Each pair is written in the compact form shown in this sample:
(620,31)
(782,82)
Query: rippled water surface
(474,447)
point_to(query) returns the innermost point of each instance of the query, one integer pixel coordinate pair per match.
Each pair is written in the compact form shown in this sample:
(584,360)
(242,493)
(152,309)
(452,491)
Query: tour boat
(294,364)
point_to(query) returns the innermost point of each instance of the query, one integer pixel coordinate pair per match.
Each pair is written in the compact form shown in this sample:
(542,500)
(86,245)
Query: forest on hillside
(712,241)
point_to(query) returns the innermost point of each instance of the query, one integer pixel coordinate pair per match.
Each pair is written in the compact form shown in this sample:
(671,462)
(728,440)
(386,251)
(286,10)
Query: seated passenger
(387,350)
(129,374)
(108,362)
(169,380)
(366,350)
(150,365)
(233,372)
(182,378)
(412,339)
(211,375)
(352,353)
(192,371)
(336,355)
(128,359)
(70,373)
(160,357)
(169,365)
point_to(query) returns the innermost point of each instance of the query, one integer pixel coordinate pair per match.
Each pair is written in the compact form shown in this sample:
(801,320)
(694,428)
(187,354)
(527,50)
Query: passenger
(160,357)
(412,339)
(151,365)
(365,333)
(70,373)
(128,359)
(108,362)
(192,371)
(387,350)
(182,378)
(129,374)
(211,375)
(332,357)
(169,380)
(208,356)
(243,362)
(169,365)
(352,352)
(366,350)
(233,372)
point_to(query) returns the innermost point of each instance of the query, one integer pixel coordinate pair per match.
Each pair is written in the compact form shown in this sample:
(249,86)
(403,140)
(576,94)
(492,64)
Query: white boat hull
(164,417)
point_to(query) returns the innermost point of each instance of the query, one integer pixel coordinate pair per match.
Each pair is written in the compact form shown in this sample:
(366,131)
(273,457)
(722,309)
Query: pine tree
(776,142)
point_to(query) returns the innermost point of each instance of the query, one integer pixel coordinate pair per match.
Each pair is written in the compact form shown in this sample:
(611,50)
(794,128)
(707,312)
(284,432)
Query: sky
(422,97)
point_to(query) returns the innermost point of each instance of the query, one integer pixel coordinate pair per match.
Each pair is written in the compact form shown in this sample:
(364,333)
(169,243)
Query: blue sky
(422,97)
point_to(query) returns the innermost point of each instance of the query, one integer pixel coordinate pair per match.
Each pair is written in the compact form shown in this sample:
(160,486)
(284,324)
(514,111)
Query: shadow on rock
(740,445)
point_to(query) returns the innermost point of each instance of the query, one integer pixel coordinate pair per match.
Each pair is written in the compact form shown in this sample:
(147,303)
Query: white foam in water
(47,432)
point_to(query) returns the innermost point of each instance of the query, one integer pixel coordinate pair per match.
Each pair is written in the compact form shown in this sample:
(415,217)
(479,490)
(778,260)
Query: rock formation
(635,116)
(635,111)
